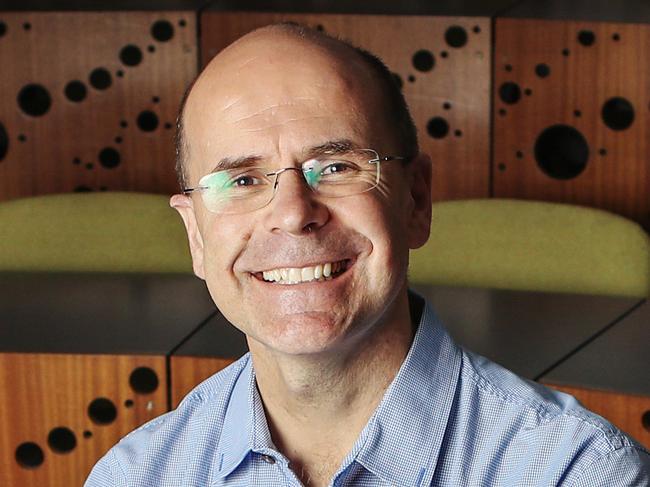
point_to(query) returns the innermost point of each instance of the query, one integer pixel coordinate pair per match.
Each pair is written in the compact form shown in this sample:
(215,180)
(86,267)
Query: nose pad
(301,176)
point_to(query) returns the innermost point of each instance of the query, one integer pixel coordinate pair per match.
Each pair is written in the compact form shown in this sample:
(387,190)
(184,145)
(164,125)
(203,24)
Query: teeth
(295,275)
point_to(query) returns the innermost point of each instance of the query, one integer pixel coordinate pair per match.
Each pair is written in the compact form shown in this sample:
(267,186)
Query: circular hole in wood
(109,158)
(508,67)
(119,73)
(131,55)
(565,52)
(88,434)
(34,100)
(100,78)
(29,455)
(617,113)
(616,37)
(3,28)
(411,78)
(519,154)
(577,113)
(528,92)
(75,91)
(147,121)
(22,138)
(155,99)
(102,411)
(542,70)
(458,133)
(61,440)
(182,22)
(76,161)
(162,30)
(602,151)
(27,26)
(456,36)
(502,112)
(423,60)
(118,140)
(501,167)
(444,54)
(437,127)
(128,403)
(509,92)
(124,124)
(143,380)
(561,152)
(151,48)
(476,29)
(645,420)
(89,165)
(4,142)
(168,125)
(446,106)
(586,38)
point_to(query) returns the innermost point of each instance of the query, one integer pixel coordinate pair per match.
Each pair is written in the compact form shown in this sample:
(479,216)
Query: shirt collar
(244,427)
(402,440)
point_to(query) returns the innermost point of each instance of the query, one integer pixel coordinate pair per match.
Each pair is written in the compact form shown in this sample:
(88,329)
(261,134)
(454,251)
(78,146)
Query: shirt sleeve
(106,473)
(628,466)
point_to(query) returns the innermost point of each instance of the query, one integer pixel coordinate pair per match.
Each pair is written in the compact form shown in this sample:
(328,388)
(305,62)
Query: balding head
(276,53)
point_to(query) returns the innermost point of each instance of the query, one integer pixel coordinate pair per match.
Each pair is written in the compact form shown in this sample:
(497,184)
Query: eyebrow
(337,146)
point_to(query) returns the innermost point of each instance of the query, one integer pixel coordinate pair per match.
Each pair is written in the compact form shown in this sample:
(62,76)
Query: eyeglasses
(244,189)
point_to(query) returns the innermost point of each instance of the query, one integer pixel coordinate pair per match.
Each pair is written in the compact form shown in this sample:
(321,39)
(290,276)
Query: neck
(316,406)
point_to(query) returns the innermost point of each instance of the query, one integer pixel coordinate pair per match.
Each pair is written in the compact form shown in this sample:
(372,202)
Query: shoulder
(548,425)
(170,440)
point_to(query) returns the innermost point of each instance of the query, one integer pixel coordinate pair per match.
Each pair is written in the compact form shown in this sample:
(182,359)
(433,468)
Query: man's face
(274,99)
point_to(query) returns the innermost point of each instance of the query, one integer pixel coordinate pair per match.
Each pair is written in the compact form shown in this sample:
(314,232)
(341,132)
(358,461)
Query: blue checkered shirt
(449,418)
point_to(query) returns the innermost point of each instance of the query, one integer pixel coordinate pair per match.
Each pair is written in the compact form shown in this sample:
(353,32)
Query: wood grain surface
(623,410)
(581,79)
(59,151)
(40,392)
(188,372)
(461,79)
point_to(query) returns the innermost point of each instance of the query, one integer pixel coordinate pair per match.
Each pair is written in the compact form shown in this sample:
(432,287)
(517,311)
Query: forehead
(275,94)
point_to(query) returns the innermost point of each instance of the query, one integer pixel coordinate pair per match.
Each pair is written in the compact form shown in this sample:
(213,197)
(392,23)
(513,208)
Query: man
(304,191)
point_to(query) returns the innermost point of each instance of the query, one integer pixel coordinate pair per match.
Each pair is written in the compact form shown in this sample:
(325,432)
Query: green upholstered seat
(529,245)
(93,232)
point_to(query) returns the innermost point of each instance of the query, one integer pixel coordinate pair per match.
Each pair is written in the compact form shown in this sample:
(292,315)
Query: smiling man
(303,191)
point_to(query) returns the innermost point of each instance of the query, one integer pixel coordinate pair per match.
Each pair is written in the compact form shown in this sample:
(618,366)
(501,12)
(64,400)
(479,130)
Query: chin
(305,334)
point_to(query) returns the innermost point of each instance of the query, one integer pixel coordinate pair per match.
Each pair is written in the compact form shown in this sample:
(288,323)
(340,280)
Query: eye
(332,168)
(245,180)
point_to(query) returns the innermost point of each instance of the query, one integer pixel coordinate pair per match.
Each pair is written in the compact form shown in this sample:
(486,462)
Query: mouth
(297,275)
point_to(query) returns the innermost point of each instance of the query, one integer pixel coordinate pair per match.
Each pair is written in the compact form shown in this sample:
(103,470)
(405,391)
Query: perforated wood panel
(571,114)
(89,100)
(628,412)
(443,64)
(60,413)
(188,372)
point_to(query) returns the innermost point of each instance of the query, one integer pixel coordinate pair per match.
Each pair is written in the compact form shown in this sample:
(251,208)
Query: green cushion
(529,245)
(93,232)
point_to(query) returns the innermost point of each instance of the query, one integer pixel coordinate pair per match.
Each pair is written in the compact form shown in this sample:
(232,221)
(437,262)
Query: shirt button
(268,459)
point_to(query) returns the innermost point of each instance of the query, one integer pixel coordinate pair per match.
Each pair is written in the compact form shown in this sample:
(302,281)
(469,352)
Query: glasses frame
(377,159)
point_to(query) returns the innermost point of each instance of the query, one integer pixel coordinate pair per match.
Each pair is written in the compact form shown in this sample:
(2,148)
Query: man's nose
(295,208)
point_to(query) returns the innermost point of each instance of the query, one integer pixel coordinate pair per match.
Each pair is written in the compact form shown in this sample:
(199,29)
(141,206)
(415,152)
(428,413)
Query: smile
(297,275)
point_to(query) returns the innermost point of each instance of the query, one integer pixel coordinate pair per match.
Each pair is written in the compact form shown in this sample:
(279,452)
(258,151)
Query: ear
(419,178)
(185,207)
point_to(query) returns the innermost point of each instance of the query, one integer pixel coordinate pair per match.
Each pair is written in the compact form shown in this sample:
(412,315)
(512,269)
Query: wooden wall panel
(455,91)
(60,150)
(628,412)
(41,392)
(572,70)
(188,372)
